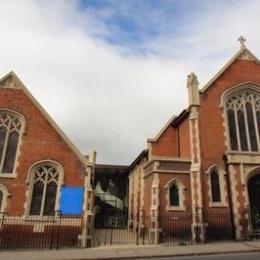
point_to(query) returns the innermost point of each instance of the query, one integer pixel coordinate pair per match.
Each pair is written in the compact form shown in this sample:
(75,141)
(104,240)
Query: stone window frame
(182,188)
(30,183)
(236,90)
(222,186)
(15,114)
(6,194)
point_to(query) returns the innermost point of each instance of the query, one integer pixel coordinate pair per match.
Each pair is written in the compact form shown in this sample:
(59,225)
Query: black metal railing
(34,233)
(173,228)
(218,227)
(141,230)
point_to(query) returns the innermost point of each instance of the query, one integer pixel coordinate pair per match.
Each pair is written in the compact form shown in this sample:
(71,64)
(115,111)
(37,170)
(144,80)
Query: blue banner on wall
(71,200)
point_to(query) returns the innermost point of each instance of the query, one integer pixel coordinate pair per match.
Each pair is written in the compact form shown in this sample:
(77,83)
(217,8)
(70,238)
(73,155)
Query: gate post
(246,224)
(141,226)
(198,226)
(137,228)
(155,224)
(87,230)
(2,215)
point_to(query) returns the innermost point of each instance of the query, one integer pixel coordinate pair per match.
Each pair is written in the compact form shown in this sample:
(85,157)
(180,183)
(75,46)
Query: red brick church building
(205,162)
(200,176)
(37,160)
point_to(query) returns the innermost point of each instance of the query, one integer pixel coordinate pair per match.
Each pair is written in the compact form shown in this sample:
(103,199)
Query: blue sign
(71,200)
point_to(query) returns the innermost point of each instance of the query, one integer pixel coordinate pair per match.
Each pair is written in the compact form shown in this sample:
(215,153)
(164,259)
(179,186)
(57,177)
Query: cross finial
(242,40)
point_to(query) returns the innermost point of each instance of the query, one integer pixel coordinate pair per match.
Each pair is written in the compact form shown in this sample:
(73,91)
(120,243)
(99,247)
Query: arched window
(10,131)
(215,185)
(174,195)
(46,184)
(243,116)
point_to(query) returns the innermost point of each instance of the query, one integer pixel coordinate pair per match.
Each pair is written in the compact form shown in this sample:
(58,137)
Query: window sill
(172,208)
(243,157)
(40,218)
(243,152)
(218,204)
(8,175)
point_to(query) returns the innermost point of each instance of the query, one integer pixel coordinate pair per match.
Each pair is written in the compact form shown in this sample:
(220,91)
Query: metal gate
(171,230)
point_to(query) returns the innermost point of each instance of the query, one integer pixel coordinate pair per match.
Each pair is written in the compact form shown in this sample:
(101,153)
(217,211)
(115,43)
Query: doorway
(254,200)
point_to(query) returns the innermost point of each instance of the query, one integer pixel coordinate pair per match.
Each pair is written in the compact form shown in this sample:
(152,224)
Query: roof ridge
(46,116)
(242,50)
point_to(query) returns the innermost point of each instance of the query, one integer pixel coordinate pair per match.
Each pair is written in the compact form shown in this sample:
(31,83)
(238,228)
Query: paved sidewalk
(133,252)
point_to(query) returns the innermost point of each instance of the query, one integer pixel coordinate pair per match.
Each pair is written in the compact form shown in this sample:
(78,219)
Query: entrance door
(254,199)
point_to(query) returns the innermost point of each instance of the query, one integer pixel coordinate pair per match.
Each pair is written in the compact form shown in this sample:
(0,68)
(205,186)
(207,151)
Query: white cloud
(102,99)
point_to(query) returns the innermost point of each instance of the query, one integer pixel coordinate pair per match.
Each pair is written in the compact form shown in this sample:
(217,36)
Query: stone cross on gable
(242,40)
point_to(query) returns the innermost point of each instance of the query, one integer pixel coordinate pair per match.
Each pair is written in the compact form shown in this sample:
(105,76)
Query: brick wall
(211,121)
(39,142)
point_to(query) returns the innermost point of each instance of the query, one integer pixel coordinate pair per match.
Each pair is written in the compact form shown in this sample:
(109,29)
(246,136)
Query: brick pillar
(88,204)
(155,209)
(198,233)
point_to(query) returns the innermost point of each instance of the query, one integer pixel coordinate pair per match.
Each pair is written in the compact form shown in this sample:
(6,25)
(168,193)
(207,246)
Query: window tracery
(10,132)
(243,116)
(44,192)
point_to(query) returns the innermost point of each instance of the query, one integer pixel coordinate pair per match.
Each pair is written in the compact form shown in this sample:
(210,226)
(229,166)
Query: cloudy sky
(112,72)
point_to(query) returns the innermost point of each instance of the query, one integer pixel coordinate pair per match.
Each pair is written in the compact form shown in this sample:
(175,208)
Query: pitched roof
(17,83)
(138,159)
(169,122)
(174,121)
(243,54)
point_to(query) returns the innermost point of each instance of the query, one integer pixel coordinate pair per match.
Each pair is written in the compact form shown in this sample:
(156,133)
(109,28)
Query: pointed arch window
(174,195)
(45,188)
(215,185)
(243,116)
(11,127)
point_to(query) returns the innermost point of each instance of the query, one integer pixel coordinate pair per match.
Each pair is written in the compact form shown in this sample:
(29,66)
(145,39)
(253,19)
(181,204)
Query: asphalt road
(237,256)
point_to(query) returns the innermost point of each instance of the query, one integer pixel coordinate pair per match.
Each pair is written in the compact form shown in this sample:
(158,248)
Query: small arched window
(46,183)
(243,116)
(10,131)
(174,195)
(215,185)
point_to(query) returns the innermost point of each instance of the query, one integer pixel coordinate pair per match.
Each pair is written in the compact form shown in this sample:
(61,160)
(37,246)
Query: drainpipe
(230,198)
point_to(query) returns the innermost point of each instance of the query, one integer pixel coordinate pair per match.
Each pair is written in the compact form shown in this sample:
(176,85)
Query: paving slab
(133,252)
